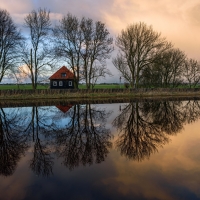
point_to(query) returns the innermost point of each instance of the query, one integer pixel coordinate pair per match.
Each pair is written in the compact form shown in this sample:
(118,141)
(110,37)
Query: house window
(60,83)
(70,83)
(54,83)
(63,74)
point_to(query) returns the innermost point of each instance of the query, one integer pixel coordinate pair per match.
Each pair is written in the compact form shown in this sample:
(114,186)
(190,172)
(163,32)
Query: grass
(81,86)
(29,87)
(105,94)
(104,86)
(20,87)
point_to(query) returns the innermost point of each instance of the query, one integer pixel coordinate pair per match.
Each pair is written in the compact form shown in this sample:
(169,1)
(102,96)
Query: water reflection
(13,143)
(168,116)
(78,134)
(75,133)
(85,139)
(38,127)
(146,126)
(192,111)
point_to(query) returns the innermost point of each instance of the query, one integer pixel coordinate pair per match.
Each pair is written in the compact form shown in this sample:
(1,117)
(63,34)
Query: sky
(178,21)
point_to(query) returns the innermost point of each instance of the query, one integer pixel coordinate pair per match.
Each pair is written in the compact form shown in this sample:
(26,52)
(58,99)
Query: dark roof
(57,75)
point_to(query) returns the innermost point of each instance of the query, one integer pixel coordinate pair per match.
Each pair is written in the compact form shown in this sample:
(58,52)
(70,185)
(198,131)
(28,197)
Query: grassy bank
(96,94)
(53,102)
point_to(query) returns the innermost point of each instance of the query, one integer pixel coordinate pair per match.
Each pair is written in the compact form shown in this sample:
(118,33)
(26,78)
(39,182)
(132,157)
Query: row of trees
(82,43)
(147,59)
(144,57)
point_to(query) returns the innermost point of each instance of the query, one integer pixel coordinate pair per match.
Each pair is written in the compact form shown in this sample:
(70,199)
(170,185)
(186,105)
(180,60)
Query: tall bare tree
(10,40)
(85,45)
(139,46)
(68,40)
(37,54)
(192,72)
(97,47)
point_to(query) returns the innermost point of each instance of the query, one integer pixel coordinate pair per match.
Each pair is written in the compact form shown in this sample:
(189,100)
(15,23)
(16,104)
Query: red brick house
(62,79)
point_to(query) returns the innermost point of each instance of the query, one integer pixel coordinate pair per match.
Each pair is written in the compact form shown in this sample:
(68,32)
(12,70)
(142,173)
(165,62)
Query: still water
(146,149)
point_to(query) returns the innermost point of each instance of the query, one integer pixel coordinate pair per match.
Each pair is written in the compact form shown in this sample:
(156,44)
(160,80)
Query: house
(62,79)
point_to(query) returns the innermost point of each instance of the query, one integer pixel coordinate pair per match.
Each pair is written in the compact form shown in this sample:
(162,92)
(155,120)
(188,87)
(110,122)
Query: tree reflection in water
(140,136)
(146,126)
(169,116)
(80,136)
(42,161)
(13,143)
(85,138)
(191,110)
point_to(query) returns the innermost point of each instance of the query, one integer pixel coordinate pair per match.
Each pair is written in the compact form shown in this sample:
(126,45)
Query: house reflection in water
(64,108)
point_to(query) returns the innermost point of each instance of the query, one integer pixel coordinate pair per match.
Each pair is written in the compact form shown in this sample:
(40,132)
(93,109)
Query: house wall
(62,84)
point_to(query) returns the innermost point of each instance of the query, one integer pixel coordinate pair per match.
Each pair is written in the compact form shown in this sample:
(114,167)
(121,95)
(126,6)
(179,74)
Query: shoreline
(96,94)
(94,97)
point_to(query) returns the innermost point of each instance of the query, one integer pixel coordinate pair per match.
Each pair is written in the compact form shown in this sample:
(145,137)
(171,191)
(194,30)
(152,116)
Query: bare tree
(192,72)
(10,40)
(97,72)
(139,46)
(37,55)
(68,40)
(171,66)
(97,47)
(85,46)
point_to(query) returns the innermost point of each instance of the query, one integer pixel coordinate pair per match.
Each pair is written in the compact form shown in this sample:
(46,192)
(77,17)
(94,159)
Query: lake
(134,149)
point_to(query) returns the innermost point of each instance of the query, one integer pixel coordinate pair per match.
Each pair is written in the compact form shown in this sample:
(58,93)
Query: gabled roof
(57,75)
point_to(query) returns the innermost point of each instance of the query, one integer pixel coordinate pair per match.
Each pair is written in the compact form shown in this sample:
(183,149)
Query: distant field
(103,86)
(81,86)
(21,87)
(28,87)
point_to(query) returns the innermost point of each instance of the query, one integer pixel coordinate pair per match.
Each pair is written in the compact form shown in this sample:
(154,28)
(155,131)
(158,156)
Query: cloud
(193,15)
(18,7)
(178,21)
